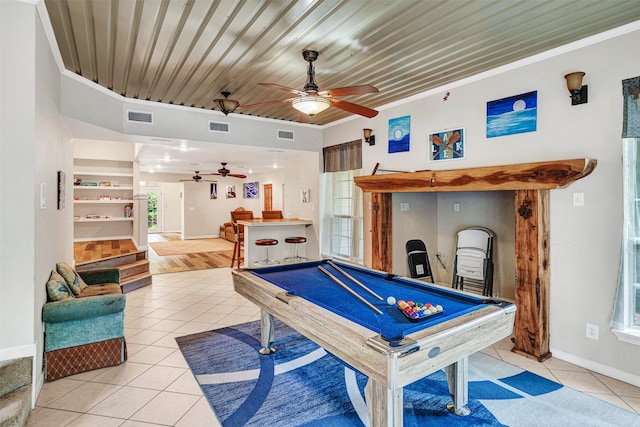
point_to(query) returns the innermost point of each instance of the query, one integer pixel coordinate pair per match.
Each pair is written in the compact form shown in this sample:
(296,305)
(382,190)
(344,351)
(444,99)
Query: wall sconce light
(226,105)
(368,138)
(574,84)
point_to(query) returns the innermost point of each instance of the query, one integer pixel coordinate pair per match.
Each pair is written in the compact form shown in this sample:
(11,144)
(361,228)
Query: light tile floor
(155,387)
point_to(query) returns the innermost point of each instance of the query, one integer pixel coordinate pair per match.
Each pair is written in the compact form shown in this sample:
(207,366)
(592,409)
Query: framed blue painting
(447,145)
(399,129)
(512,115)
(251,190)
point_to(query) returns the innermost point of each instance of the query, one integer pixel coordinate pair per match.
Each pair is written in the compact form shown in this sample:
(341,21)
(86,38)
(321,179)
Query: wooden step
(135,282)
(133,269)
(113,261)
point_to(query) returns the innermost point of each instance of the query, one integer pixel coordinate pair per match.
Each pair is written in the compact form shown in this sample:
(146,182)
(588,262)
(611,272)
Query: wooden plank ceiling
(186,52)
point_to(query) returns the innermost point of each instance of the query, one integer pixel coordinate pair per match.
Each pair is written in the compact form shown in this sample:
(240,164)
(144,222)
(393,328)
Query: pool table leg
(458,381)
(266,333)
(384,406)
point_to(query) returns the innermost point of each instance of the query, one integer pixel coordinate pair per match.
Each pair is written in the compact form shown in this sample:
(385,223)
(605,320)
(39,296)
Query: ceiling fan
(311,100)
(224,172)
(197,178)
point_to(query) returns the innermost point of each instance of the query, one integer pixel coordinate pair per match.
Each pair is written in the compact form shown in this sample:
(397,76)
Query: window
(343,219)
(626,314)
(628,310)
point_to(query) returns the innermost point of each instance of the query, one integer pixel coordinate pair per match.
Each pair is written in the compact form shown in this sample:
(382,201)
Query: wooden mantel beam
(524,176)
(530,183)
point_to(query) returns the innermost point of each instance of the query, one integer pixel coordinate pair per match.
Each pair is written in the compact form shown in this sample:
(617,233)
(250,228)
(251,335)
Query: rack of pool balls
(417,310)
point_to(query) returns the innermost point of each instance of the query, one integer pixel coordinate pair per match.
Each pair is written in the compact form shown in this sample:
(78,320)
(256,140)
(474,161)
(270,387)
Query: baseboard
(28,350)
(597,367)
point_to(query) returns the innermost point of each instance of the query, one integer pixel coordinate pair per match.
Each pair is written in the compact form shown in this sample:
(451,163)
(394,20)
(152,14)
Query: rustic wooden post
(381,237)
(532,274)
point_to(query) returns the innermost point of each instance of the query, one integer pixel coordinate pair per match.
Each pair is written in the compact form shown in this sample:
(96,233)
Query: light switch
(578,199)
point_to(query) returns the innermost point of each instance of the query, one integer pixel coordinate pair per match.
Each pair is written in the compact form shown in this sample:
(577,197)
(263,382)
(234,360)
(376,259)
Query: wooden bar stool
(295,241)
(239,214)
(266,243)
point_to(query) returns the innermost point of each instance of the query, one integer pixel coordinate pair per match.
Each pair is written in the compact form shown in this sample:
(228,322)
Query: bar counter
(278,229)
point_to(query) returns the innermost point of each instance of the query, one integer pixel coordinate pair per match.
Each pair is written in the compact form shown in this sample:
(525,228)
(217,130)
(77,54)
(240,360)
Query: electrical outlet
(456,207)
(592,331)
(578,199)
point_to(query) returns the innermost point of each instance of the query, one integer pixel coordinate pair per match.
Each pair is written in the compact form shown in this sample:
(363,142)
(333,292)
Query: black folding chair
(418,260)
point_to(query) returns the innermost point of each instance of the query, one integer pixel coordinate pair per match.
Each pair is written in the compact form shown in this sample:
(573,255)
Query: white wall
(34,145)
(585,241)
(17,196)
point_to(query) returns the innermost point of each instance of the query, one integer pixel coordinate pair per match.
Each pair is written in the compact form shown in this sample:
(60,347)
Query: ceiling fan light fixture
(226,105)
(311,105)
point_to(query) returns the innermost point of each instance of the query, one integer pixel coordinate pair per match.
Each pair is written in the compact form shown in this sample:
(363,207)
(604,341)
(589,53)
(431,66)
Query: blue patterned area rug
(302,385)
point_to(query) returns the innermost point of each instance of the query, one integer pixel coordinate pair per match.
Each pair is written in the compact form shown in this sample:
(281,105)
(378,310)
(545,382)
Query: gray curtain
(631,112)
(343,157)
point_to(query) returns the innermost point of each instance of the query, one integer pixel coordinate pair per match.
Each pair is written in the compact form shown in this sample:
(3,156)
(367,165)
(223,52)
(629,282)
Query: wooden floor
(87,251)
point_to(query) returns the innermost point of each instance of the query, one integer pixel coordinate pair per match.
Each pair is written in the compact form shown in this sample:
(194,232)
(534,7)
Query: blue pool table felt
(307,281)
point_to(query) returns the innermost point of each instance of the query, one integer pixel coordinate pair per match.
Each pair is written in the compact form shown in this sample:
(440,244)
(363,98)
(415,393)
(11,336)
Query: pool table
(391,349)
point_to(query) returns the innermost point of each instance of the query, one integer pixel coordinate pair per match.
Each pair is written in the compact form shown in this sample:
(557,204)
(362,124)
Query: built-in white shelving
(103,199)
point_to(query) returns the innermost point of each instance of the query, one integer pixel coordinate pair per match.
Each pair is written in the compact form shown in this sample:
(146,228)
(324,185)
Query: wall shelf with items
(103,199)
(101,219)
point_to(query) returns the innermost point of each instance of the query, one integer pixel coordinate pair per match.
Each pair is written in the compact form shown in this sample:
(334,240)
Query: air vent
(219,127)
(285,134)
(139,116)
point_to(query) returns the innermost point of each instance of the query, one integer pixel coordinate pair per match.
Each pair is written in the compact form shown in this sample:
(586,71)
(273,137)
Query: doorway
(155,209)
(267,191)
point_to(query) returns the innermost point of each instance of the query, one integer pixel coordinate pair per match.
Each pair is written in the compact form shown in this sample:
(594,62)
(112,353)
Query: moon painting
(512,115)
(399,129)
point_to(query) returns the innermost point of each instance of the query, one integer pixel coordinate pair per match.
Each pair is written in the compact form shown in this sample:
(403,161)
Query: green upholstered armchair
(83,331)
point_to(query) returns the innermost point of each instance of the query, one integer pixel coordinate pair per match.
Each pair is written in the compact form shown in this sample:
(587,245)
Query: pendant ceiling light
(226,105)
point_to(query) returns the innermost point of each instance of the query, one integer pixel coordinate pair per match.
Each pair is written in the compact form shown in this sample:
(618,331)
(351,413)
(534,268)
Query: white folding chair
(473,265)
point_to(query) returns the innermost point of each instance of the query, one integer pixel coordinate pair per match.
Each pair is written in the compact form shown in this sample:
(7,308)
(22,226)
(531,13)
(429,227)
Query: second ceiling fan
(224,172)
(311,100)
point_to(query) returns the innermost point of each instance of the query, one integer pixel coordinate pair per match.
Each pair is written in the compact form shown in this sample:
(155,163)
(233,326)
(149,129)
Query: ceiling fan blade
(262,104)
(237,175)
(349,90)
(304,118)
(354,108)
(285,88)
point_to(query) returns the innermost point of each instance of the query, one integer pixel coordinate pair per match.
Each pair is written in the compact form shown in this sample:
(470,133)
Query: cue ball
(391,301)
